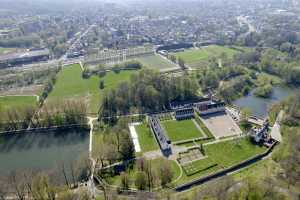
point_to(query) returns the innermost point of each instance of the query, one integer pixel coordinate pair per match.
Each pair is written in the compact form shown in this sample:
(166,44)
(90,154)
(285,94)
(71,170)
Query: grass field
(6,50)
(224,154)
(7,102)
(146,139)
(155,62)
(181,130)
(200,57)
(71,85)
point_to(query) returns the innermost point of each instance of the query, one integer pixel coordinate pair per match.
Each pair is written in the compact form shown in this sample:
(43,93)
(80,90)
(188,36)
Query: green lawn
(146,138)
(155,62)
(7,102)
(225,154)
(181,130)
(199,57)
(71,85)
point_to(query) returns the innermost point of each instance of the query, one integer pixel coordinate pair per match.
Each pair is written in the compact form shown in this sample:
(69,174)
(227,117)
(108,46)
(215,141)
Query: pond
(41,151)
(259,106)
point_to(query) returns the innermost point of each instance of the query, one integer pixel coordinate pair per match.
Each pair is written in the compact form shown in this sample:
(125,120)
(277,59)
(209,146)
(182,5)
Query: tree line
(50,115)
(47,184)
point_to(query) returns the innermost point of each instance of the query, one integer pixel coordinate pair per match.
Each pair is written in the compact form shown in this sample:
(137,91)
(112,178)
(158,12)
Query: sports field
(146,138)
(71,85)
(156,62)
(7,102)
(200,57)
(181,130)
(222,155)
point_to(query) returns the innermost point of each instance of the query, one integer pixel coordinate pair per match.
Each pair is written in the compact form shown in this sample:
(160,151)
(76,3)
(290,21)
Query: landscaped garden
(222,155)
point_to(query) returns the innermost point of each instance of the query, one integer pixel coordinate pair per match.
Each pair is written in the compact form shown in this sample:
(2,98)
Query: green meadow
(71,85)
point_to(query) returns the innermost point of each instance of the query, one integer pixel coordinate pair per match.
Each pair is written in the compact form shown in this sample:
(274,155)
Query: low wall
(224,172)
(46,129)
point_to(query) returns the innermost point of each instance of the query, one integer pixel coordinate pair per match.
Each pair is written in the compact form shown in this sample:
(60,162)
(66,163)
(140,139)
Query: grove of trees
(147,91)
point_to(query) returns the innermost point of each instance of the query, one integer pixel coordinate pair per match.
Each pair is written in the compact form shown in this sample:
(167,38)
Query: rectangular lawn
(71,85)
(156,62)
(181,130)
(146,138)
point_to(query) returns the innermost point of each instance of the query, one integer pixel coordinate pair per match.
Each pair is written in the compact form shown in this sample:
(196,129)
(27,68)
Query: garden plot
(190,155)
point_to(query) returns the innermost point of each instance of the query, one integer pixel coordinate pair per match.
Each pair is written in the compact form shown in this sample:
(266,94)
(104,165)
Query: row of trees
(228,189)
(48,87)
(148,175)
(58,114)
(147,91)
(179,60)
(54,184)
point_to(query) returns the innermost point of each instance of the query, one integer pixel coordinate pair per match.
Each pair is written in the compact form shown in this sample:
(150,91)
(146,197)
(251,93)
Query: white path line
(91,120)
(80,63)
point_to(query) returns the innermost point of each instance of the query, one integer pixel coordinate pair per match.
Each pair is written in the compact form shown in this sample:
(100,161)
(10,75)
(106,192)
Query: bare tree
(17,184)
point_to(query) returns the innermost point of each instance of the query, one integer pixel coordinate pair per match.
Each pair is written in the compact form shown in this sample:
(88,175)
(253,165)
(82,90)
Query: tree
(181,63)
(101,85)
(172,58)
(165,172)
(42,189)
(245,114)
(291,163)
(17,184)
(141,180)
(127,147)
(124,180)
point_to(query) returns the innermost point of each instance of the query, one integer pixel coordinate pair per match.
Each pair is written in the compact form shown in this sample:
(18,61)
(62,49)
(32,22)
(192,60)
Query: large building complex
(25,57)
(204,106)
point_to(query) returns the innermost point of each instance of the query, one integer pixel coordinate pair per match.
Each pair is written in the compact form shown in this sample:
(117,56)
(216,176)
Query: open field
(156,62)
(6,50)
(155,164)
(7,102)
(181,130)
(71,85)
(146,138)
(221,125)
(223,155)
(200,57)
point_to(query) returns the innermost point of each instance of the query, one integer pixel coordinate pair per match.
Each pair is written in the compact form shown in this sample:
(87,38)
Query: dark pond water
(41,151)
(259,106)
